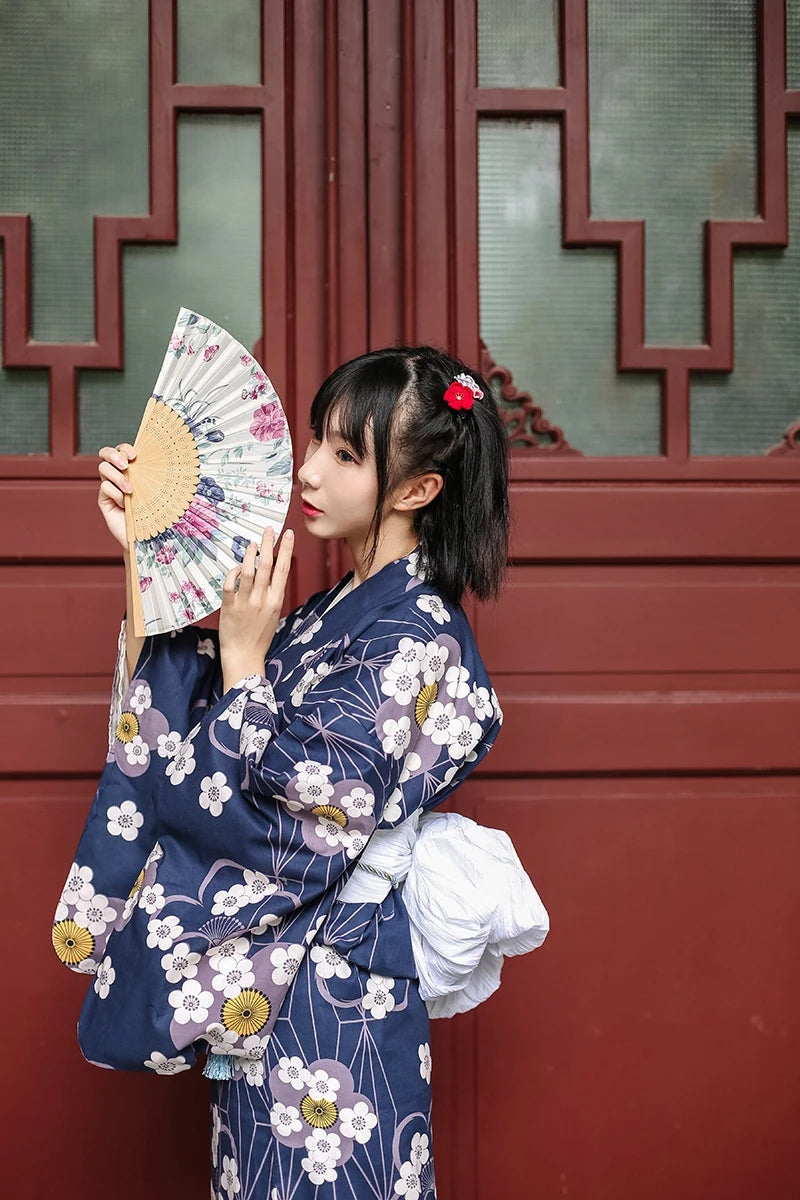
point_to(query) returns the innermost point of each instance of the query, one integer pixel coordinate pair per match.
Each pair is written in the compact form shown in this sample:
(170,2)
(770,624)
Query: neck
(393,543)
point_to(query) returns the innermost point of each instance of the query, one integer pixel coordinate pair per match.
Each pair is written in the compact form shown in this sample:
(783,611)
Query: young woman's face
(339,491)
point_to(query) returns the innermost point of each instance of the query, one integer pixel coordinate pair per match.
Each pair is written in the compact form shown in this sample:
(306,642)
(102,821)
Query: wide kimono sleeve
(260,824)
(175,681)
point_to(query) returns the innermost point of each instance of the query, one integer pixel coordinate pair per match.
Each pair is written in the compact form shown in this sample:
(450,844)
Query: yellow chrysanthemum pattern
(127,727)
(137,886)
(246,1013)
(320,1114)
(331,813)
(72,943)
(427,697)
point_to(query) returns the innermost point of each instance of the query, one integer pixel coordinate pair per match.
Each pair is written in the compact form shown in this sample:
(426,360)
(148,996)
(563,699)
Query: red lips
(309,510)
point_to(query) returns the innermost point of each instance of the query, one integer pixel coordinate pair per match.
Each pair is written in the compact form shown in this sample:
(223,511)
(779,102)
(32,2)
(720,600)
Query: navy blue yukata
(203,897)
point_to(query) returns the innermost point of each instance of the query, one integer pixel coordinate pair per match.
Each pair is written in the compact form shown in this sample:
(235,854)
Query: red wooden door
(644,649)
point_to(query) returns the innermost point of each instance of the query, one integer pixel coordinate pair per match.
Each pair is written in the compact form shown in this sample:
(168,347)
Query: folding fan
(213,469)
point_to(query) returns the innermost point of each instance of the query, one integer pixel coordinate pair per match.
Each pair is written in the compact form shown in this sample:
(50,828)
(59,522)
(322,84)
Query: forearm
(133,644)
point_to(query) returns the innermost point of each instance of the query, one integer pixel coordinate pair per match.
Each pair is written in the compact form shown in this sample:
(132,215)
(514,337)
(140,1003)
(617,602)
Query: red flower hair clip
(462,392)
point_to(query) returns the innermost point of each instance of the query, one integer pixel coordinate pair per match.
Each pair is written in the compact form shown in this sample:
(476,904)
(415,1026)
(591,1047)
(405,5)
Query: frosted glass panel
(219,43)
(518,43)
(547,313)
(215,269)
(747,412)
(793,43)
(73,141)
(673,137)
(24,407)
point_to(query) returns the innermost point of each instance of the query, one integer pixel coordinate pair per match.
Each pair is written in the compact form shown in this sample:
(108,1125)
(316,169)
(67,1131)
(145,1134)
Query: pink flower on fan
(261,488)
(144,582)
(199,521)
(175,342)
(209,352)
(174,597)
(245,359)
(267,422)
(191,589)
(165,554)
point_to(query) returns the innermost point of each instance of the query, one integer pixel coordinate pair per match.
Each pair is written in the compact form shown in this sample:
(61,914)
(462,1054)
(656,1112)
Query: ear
(418,492)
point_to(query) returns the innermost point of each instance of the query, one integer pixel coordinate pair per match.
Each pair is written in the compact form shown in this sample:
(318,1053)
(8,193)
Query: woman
(263,793)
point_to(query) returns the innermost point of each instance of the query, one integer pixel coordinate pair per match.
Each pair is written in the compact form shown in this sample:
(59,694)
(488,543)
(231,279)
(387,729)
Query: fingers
(119,455)
(229,586)
(283,562)
(264,572)
(114,476)
(247,572)
(108,490)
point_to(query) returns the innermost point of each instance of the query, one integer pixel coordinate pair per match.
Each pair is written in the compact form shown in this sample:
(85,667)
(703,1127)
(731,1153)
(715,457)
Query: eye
(345,456)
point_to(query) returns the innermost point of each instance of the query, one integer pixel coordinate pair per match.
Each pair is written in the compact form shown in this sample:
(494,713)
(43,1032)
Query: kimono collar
(360,607)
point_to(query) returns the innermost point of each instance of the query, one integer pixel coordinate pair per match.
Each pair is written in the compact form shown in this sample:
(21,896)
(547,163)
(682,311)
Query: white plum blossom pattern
(358,1122)
(292,1071)
(230,1176)
(420,1152)
(232,948)
(124,820)
(254,741)
(434,662)
(480,700)
(330,831)
(214,793)
(308,634)
(392,811)
(162,1065)
(312,782)
(182,764)
(206,646)
(104,978)
(396,736)
(322,1086)
(424,1053)
(379,1000)
(257,887)
(457,682)
(180,963)
(408,1184)
(220,1039)
(228,902)
(263,694)
(358,803)
(465,739)
(163,931)
(329,962)
(309,680)
(323,1154)
(354,842)
(233,975)
(137,751)
(151,898)
(285,1119)
(79,885)
(435,606)
(235,711)
(141,698)
(286,961)
(95,914)
(168,744)
(191,1002)
(442,723)
(253,1071)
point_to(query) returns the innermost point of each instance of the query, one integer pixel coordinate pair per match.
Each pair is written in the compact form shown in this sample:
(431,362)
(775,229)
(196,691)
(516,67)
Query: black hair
(398,393)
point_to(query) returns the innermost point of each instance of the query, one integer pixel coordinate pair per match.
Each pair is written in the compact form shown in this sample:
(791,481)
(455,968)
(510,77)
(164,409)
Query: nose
(308,474)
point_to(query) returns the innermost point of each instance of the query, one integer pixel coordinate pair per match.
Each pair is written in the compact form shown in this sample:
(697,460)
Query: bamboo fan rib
(213,469)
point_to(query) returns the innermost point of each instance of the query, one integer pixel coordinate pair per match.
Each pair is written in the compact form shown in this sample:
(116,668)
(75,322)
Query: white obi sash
(469,903)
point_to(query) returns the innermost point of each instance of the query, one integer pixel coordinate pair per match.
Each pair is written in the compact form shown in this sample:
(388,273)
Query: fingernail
(289,534)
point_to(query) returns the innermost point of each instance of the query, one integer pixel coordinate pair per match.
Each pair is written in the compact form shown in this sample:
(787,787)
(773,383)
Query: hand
(252,599)
(111,499)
